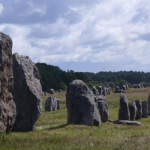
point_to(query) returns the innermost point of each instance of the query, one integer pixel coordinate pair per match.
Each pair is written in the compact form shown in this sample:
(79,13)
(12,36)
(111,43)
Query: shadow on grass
(57,127)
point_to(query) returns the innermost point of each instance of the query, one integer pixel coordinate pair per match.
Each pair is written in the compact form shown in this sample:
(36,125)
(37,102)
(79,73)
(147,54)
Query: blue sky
(80,35)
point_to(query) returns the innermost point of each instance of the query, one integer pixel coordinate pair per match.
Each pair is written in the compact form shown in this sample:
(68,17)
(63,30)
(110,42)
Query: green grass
(52,132)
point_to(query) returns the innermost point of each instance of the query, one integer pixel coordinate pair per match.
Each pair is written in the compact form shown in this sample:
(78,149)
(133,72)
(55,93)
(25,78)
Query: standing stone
(104,91)
(58,104)
(132,110)
(144,109)
(109,90)
(123,110)
(45,94)
(27,93)
(100,90)
(51,91)
(139,86)
(148,101)
(81,104)
(52,104)
(95,91)
(124,87)
(135,86)
(103,107)
(117,88)
(7,105)
(139,109)
(60,90)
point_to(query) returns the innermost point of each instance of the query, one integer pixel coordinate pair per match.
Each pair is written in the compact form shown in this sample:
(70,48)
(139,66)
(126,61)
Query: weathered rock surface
(95,91)
(104,91)
(135,86)
(81,105)
(132,109)
(148,104)
(117,88)
(52,104)
(103,107)
(7,105)
(144,109)
(27,93)
(124,87)
(139,109)
(51,91)
(100,90)
(123,110)
(126,122)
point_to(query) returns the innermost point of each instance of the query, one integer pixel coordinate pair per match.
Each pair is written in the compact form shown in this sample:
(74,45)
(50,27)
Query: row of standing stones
(21,91)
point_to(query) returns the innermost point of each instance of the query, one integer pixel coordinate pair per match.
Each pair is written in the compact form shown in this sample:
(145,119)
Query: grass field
(52,132)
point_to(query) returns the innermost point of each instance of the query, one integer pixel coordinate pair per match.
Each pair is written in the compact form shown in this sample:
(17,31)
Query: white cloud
(108,32)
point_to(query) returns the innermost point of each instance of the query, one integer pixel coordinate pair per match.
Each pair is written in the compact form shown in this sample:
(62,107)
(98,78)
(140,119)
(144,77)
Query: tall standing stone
(81,105)
(104,91)
(103,107)
(7,105)
(123,110)
(27,93)
(132,110)
(95,91)
(148,104)
(100,90)
(144,109)
(139,109)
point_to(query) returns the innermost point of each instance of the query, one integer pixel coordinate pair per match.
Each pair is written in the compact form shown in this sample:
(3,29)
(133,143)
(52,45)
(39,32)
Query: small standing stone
(144,109)
(103,107)
(124,110)
(52,104)
(132,109)
(139,109)
(100,90)
(51,91)
(148,104)
(95,91)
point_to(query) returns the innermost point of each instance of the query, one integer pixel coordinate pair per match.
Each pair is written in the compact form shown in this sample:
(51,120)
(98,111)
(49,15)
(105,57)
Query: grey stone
(123,110)
(27,92)
(135,86)
(126,122)
(58,104)
(45,94)
(104,91)
(117,88)
(103,107)
(81,105)
(100,90)
(95,91)
(139,109)
(139,86)
(51,91)
(148,104)
(132,109)
(7,105)
(109,90)
(124,87)
(60,90)
(144,109)
(52,104)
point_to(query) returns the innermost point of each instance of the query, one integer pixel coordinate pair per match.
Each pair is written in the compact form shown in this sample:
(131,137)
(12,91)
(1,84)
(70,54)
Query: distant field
(52,132)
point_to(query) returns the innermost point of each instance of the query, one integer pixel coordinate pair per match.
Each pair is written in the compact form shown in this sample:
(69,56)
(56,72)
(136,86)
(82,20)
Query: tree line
(54,77)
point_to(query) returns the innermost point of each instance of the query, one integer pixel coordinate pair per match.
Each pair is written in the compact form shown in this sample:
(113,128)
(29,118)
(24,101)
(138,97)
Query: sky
(80,35)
